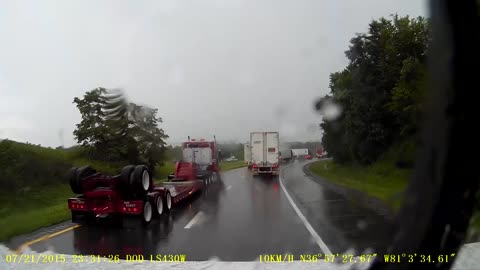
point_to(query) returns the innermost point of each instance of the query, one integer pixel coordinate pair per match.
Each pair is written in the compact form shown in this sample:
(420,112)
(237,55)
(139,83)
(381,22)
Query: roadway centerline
(43,238)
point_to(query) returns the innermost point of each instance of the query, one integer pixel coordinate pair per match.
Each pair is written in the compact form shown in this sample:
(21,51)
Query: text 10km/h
(311,258)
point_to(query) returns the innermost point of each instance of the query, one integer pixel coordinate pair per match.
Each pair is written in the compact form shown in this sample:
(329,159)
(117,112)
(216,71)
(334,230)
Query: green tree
(379,91)
(150,139)
(114,129)
(91,130)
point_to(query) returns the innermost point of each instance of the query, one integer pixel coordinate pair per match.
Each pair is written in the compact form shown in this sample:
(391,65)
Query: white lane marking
(309,227)
(192,222)
(229,187)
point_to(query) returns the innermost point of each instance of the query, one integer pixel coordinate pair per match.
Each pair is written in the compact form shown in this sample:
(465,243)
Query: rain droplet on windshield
(362,224)
(329,109)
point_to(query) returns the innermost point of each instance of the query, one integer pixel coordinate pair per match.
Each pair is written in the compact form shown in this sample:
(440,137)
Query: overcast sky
(210,67)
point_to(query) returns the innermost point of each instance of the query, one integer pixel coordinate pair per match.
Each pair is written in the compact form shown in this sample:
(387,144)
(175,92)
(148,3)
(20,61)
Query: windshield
(203,133)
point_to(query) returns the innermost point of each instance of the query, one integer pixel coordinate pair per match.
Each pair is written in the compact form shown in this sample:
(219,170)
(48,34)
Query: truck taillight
(76,204)
(132,207)
(275,165)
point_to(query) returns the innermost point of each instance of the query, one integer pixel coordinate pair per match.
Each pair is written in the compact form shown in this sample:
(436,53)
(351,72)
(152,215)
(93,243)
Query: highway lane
(343,224)
(237,219)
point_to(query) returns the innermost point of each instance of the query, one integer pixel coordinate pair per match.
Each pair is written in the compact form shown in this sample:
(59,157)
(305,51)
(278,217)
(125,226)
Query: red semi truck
(133,194)
(200,159)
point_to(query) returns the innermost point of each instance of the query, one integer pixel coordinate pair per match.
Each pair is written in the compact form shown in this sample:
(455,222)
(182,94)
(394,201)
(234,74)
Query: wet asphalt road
(238,219)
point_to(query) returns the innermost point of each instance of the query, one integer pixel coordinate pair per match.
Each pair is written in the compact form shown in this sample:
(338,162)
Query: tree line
(379,93)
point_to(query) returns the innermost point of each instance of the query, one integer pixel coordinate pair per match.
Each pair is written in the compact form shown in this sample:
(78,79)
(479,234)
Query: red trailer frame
(133,193)
(102,196)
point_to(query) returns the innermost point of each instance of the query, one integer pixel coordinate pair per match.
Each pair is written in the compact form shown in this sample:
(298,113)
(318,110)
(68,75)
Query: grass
(28,210)
(230,165)
(381,180)
(161,172)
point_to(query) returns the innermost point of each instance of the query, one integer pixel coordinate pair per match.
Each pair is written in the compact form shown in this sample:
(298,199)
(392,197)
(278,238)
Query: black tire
(167,202)
(207,179)
(141,181)
(72,178)
(159,206)
(147,213)
(125,177)
(76,176)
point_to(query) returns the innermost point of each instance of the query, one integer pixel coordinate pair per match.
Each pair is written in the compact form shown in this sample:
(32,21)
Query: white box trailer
(265,152)
(299,152)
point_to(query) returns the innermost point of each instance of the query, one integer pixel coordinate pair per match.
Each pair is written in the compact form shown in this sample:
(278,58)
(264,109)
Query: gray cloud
(210,67)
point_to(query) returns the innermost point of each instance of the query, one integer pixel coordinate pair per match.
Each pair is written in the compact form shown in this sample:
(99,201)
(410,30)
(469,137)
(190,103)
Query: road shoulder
(359,197)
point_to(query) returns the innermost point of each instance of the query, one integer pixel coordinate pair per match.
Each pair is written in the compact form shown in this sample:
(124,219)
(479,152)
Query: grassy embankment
(34,188)
(33,185)
(382,180)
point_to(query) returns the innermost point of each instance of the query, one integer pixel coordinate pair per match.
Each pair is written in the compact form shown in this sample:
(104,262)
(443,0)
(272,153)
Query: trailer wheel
(72,178)
(125,176)
(141,180)
(206,179)
(167,202)
(76,176)
(159,206)
(147,212)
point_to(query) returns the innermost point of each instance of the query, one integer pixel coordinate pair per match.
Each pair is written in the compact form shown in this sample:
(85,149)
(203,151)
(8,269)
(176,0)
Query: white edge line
(194,219)
(309,227)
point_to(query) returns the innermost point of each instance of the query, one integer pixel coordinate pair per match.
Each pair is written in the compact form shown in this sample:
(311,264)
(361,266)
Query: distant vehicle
(247,154)
(320,153)
(232,158)
(300,154)
(201,155)
(265,152)
(308,157)
(285,154)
